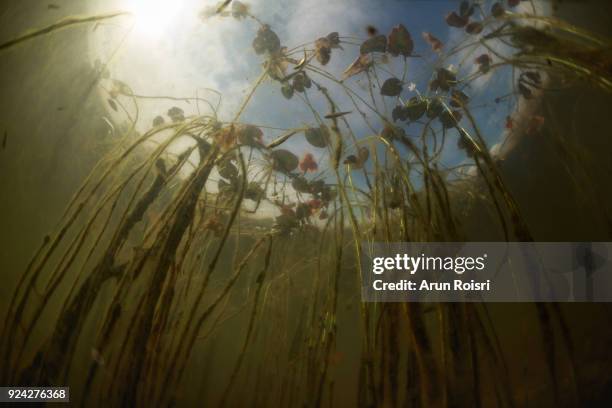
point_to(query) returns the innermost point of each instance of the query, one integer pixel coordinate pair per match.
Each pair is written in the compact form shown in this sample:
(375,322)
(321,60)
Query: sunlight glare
(153,17)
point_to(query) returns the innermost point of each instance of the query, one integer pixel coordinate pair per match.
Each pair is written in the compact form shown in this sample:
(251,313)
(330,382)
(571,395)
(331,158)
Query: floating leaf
(287,90)
(318,137)
(158,121)
(445,79)
(308,163)
(435,43)
(249,135)
(475,27)
(266,41)
(391,87)
(416,108)
(375,44)
(391,132)
(434,108)
(455,20)
(334,40)
(176,114)
(323,48)
(284,160)
(399,113)
(301,82)
(484,63)
(357,162)
(361,64)
(400,41)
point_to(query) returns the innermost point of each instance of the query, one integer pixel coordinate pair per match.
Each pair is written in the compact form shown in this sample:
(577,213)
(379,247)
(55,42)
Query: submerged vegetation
(201,220)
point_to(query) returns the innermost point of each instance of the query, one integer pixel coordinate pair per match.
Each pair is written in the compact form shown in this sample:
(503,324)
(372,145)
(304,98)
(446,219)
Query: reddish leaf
(474,27)
(455,20)
(484,62)
(308,163)
(436,44)
(361,64)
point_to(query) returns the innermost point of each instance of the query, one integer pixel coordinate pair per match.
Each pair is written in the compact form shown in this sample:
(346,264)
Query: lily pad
(434,108)
(455,20)
(301,82)
(266,41)
(391,87)
(318,137)
(434,42)
(158,121)
(474,27)
(399,113)
(287,90)
(323,48)
(284,160)
(400,42)
(176,114)
(334,40)
(250,135)
(377,43)
(416,108)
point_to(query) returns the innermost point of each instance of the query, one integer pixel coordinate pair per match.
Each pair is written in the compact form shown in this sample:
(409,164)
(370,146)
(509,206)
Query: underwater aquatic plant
(388,185)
